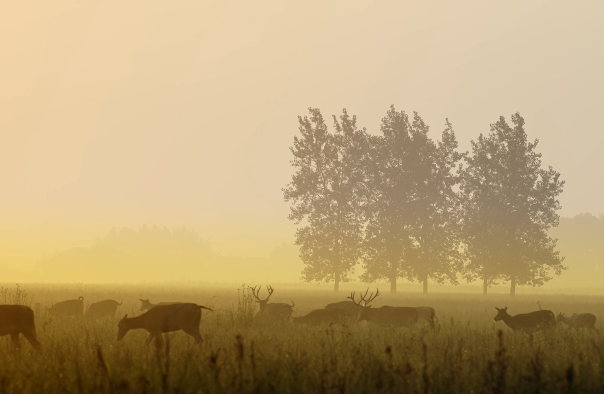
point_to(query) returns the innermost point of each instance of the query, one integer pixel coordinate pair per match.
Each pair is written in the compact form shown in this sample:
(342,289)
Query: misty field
(465,353)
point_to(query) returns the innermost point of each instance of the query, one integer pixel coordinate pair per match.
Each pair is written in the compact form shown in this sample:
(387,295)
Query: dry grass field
(468,352)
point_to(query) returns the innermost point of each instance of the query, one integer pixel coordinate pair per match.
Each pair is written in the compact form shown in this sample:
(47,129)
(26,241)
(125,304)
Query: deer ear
(506,308)
(497,308)
(125,316)
(140,299)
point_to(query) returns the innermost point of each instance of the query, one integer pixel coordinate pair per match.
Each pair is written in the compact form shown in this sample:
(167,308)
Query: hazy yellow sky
(123,113)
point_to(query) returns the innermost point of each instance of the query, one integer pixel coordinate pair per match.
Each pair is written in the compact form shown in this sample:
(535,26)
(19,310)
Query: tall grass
(467,351)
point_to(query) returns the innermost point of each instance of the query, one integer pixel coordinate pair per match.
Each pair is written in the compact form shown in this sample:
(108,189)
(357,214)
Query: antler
(270,292)
(352,298)
(254,292)
(371,297)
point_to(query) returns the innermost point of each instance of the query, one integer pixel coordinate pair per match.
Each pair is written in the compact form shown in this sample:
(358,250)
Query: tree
(435,231)
(510,204)
(326,192)
(397,165)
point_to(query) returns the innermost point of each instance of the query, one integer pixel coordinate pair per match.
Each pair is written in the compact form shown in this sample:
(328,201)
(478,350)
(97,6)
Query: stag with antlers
(277,311)
(352,307)
(386,315)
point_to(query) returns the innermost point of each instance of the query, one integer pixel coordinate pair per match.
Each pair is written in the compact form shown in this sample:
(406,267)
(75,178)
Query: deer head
(365,302)
(501,313)
(256,294)
(146,304)
(122,328)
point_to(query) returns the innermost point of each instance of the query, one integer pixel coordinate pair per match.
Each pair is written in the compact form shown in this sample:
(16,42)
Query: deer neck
(136,322)
(509,321)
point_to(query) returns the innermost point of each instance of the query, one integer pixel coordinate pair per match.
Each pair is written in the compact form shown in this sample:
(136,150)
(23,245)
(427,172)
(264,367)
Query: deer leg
(194,333)
(31,337)
(14,336)
(159,341)
(149,339)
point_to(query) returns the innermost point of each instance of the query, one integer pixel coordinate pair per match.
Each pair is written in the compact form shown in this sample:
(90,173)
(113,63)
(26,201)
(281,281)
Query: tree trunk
(426,284)
(485,286)
(393,283)
(336,287)
(513,287)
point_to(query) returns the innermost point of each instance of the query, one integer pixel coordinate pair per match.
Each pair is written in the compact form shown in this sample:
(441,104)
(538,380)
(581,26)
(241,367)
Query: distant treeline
(406,206)
(152,253)
(157,253)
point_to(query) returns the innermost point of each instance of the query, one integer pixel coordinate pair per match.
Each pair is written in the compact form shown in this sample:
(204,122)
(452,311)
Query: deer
(103,308)
(351,307)
(346,304)
(279,310)
(146,304)
(526,321)
(165,318)
(18,319)
(67,308)
(323,316)
(576,321)
(386,315)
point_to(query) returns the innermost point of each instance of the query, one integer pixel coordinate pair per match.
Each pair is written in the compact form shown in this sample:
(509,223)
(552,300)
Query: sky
(181,113)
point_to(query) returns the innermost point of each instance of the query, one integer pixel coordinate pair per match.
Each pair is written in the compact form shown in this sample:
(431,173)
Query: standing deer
(386,315)
(165,318)
(67,308)
(323,316)
(18,319)
(576,321)
(526,321)
(146,304)
(103,308)
(351,307)
(278,310)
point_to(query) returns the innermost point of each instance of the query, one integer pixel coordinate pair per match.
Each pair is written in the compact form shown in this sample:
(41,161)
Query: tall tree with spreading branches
(435,232)
(327,192)
(412,212)
(510,202)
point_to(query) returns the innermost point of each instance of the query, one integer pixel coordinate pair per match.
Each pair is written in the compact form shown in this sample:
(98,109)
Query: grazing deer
(278,310)
(67,308)
(323,316)
(18,319)
(526,321)
(576,321)
(102,308)
(386,315)
(165,318)
(146,304)
(352,305)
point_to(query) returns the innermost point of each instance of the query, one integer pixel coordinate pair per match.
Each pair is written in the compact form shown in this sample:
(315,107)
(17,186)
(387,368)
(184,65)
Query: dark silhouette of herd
(167,317)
